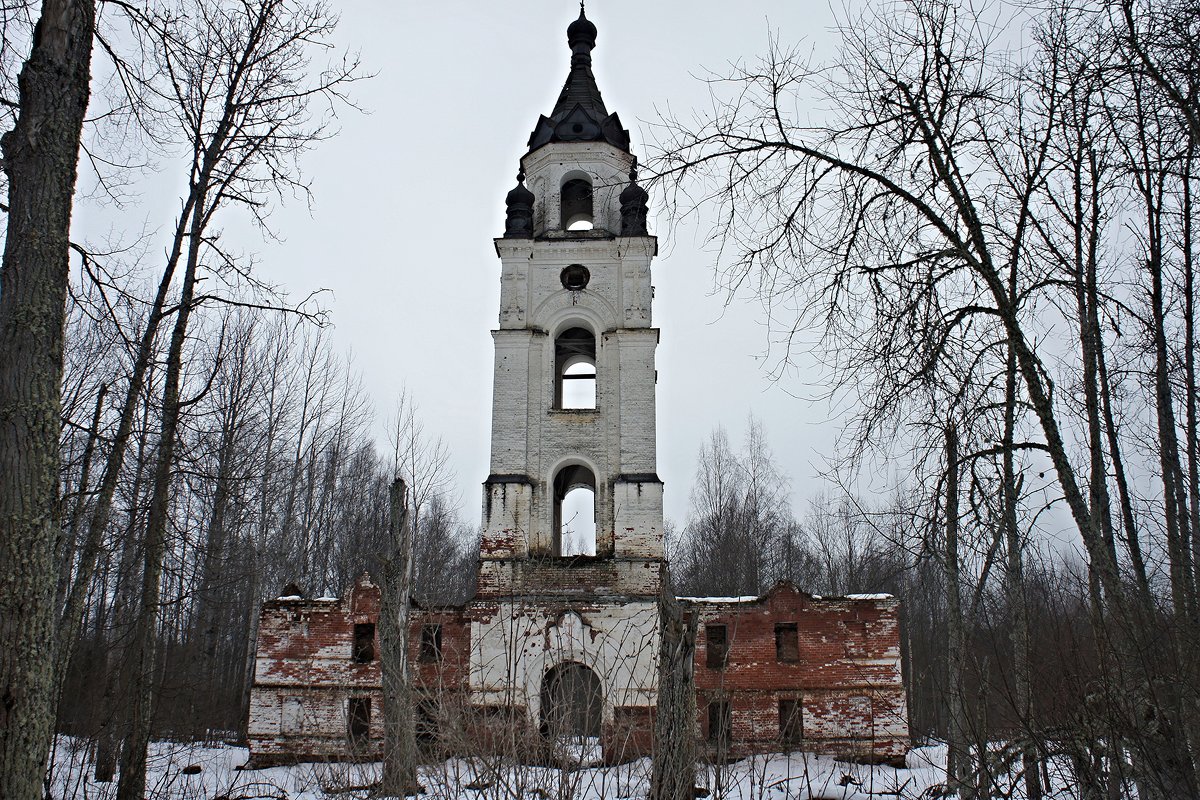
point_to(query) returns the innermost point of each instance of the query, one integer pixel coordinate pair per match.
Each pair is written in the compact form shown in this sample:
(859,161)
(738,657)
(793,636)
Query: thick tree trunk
(674,762)
(399,719)
(40,155)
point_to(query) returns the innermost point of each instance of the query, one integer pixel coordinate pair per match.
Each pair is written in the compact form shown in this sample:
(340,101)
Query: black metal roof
(580,115)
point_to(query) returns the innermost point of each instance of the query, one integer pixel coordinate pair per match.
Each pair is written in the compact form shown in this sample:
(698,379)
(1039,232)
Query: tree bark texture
(40,159)
(674,767)
(399,720)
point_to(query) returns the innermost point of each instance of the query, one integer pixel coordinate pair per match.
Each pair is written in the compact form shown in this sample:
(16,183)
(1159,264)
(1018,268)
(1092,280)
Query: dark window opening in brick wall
(787,642)
(431,643)
(427,723)
(720,723)
(791,721)
(358,720)
(364,642)
(716,646)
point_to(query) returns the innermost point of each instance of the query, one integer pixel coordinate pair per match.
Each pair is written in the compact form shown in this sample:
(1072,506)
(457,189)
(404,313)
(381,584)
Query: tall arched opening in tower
(575,511)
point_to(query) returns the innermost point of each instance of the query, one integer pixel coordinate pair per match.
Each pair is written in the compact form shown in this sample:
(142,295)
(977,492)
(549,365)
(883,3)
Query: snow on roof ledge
(752,598)
(745,598)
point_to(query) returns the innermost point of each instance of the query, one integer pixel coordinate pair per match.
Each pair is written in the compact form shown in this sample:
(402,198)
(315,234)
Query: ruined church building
(561,639)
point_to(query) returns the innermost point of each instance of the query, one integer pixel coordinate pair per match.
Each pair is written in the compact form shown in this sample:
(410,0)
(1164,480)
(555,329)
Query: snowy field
(174,776)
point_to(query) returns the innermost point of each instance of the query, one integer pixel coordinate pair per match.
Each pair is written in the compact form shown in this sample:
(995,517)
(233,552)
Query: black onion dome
(581,31)
(634,208)
(634,193)
(520,194)
(580,115)
(518,211)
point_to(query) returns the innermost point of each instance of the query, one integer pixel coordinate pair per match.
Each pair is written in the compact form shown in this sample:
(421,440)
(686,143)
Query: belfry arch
(575,369)
(576,203)
(575,514)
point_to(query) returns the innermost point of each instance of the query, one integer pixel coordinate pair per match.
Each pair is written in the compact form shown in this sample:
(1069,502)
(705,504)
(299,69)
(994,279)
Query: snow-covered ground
(796,776)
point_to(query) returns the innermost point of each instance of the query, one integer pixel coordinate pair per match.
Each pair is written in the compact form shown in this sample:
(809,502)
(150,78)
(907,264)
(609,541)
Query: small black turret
(634,206)
(518,221)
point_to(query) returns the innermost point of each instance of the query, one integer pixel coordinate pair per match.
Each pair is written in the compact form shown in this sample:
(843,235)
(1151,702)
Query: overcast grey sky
(409,195)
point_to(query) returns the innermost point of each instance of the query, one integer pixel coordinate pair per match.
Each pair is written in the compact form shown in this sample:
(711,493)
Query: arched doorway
(572,702)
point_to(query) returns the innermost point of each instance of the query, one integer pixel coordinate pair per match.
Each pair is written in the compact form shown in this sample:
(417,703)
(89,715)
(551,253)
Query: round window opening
(575,277)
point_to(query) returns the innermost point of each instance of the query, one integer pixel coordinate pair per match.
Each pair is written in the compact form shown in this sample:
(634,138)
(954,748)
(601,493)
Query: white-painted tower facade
(573,407)
(564,624)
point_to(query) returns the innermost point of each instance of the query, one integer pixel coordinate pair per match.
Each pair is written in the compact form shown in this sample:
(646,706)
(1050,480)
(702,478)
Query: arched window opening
(577,205)
(572,702)
(575,370)
(575,511)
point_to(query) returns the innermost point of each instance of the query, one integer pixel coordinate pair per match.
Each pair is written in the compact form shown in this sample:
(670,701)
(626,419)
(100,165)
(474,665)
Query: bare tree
(399,724)
(238,81)
(673,774)
(740,518)
(932,225)
(40,153)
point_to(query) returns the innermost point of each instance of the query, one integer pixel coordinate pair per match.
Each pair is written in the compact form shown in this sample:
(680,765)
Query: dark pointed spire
(580,115)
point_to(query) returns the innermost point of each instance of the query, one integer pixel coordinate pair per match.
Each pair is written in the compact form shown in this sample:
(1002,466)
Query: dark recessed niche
(575,277)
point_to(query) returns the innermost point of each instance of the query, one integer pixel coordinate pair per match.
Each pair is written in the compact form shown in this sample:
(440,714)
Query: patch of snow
(777,776)
(880,596)
(289,597)
(745,598)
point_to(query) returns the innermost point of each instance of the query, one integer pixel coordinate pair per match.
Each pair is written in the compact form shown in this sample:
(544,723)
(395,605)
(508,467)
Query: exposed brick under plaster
(846,674)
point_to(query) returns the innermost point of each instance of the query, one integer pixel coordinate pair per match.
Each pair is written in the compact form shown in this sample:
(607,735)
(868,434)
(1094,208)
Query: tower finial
(581,37)
(580,115)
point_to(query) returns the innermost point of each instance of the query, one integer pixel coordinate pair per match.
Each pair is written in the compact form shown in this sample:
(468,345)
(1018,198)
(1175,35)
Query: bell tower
(573,504)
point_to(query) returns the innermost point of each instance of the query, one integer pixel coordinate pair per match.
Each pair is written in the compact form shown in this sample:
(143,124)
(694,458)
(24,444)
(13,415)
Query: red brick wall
(305,656)
(846,676)
(846,673)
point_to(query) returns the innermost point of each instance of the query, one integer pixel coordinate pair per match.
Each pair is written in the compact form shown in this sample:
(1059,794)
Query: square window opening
(787,642)
(716,638)
(791,721)
(720,723)
(431,643)
(364,642)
